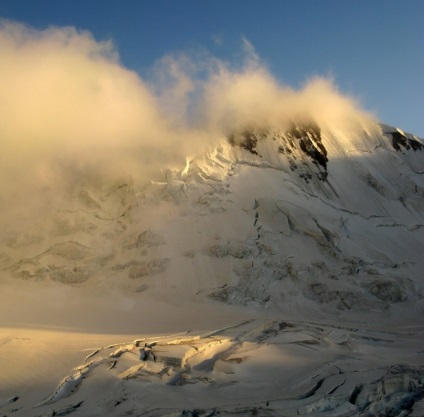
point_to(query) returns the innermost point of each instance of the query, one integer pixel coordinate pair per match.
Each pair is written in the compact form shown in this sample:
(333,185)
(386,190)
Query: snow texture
(313,234)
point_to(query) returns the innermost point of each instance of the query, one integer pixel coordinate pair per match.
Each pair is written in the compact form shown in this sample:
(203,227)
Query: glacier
(279,273)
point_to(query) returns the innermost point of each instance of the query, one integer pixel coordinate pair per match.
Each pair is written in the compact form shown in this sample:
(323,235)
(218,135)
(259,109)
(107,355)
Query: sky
(373,50)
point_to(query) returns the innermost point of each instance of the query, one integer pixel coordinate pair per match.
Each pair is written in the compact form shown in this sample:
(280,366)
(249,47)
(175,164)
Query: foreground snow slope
(280,273)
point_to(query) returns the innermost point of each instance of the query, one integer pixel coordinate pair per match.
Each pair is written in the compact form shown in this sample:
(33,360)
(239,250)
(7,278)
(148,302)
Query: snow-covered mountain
(279,273)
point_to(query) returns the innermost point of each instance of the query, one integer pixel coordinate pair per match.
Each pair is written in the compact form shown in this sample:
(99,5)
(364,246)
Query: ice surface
(279,273)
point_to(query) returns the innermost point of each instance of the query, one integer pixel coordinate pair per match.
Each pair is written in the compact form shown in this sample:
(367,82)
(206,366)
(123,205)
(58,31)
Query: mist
(71,109)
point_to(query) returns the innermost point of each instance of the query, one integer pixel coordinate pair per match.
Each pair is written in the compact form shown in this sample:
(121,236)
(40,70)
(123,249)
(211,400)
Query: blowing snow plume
(70,109)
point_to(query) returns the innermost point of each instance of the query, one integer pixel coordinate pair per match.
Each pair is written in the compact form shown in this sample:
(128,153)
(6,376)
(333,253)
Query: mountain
(277,274)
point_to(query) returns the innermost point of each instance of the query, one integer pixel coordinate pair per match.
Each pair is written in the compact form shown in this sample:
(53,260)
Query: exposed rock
(236,250)
(71,251)
(153,267)
(147,239)
(246,139)
(88,200)
(309,136)
(71,275)
(399,141)
(388,291)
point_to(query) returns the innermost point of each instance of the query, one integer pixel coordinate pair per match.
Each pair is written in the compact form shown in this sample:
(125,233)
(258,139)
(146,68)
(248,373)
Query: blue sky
(374,49)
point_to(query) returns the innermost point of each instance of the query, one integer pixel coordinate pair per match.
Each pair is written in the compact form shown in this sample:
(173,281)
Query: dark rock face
(309,137)
(247,139)
(299,140)
(399,141)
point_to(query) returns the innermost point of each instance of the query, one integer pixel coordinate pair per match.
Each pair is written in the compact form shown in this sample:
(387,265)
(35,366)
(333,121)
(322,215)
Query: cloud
(251,95)
(70,108)
(64,95)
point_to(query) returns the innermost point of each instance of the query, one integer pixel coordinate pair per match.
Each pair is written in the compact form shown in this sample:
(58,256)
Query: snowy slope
(303,247)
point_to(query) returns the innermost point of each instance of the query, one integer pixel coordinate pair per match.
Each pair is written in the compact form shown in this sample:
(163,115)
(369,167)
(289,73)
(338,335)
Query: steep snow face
(307,219)
(279,273)
(338,217)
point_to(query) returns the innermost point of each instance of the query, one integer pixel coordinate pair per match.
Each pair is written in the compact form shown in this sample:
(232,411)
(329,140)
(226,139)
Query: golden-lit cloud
(69,107)
(64,95)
